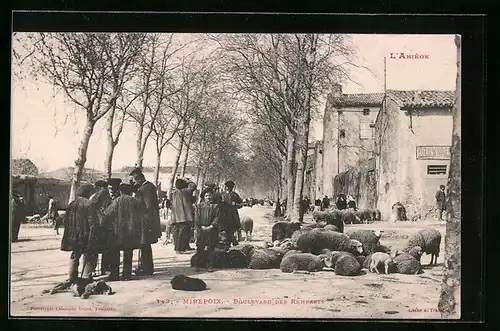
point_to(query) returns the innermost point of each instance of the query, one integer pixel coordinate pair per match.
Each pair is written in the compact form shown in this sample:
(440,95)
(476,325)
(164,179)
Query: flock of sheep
(323,245)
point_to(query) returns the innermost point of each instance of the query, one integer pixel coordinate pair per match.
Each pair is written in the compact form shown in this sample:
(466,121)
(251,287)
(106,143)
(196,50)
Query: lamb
(380,258)
(408,263)
(301,261)
(369,238)
(331,227)
(265,259)
(282,230)
(365,216)
(398,212)
(247,226)
(185,283)
(429,240)
(315,240)
(347,266)
(349,217)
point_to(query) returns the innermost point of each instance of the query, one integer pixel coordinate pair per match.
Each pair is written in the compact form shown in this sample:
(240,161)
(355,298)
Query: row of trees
(168,89)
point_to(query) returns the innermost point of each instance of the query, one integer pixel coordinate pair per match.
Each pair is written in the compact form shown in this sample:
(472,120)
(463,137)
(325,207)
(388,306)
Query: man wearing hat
(147,194)
(124,217)
(231,202)
(77,233)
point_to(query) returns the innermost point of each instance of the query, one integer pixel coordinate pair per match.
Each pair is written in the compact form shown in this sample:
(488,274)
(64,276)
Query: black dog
(185,283)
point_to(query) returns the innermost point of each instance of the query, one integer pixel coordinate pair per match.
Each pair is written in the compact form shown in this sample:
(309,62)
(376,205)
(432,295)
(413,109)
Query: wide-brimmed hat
(114,182)
(126,188)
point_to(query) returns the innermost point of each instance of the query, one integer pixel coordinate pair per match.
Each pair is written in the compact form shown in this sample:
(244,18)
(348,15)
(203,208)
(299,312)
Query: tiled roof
(358,99)
(423,99)
(405,99)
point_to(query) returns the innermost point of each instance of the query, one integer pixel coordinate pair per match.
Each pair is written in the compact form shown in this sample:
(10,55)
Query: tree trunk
(186,157)
(110,148)
(303,147)
(157,167)
(449,301)
(198,176)
(176,165)
(139,149)
(81,159)
(290,171)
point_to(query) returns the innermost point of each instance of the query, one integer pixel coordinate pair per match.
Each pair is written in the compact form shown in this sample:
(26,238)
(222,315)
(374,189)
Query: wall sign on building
(433,152)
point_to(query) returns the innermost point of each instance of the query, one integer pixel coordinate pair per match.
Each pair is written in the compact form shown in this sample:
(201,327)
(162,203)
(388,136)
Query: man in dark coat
(124,217)
(182,213)
(147,194)
(99,201)
(341,202)
(77,232)
(18,214)
(230,222)
(441,201)
(207,229)
(325,204)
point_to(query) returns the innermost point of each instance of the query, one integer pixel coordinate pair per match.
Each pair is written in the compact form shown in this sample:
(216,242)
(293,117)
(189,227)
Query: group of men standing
(109,217)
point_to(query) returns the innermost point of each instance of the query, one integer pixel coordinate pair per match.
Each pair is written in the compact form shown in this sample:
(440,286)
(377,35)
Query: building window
(342,133)
(437,169)
(366,130)
(366,111)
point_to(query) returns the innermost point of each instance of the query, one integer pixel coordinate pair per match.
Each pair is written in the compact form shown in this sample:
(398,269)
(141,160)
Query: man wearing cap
(147,194)
(182,213)
(124,218)
(77,232)
(230,223)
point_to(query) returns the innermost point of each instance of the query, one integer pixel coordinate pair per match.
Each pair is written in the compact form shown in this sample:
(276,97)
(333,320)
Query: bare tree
(90,69)
(449,300)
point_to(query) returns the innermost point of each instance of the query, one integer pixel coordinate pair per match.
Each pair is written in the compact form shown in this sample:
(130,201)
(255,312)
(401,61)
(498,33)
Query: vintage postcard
(234,175)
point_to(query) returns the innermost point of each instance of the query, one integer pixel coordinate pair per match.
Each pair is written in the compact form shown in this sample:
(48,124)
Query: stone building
(413,139)
(348,133)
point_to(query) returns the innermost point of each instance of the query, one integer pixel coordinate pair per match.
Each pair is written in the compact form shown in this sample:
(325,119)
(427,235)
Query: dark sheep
(407,264)
(347,266)
(297,234)
(365,216)
(349,217)
(333,217)
(292,251)
(361,259)
(429,240)
(315,241)
(246,249)
(236,259)
(200,260)
(186,283)
(376,214)
(301,261)
(369,239)
(282,230)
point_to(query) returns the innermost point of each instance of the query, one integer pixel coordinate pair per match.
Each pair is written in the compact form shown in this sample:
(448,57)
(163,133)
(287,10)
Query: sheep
(333,257)
(290,252)
(186,283)
(380,258)
(429,240)
(282,230)
(246,249)
(408,263)
(369,238)
(236,259)
(365,216)
(247,226)
(398,212)
(301,261)
(347,266)
(361,259)
(316,240)
(331,227)
(284,244)
(376,214)
(295,236)
(200,260)
(265,259)
(349,217)
(333,217)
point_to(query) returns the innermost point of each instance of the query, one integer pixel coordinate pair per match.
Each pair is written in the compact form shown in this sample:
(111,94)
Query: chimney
(336,90)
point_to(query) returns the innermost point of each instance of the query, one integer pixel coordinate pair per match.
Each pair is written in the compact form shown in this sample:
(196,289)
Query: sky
(47,129)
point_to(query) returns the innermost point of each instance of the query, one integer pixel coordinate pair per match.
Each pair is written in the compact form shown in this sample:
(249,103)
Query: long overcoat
(76,225)
(148,195)
(124,219)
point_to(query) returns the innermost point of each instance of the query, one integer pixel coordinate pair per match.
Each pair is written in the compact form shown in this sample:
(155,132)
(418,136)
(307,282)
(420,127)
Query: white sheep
(380,258)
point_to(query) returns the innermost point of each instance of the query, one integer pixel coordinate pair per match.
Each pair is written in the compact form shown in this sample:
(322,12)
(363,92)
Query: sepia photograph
(235,175)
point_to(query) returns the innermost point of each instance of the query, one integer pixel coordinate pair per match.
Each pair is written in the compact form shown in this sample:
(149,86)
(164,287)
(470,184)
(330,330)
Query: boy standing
(207,229)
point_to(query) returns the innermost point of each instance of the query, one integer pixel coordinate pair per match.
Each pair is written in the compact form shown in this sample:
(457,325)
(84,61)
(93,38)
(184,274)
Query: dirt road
(38,264)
